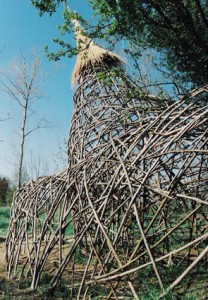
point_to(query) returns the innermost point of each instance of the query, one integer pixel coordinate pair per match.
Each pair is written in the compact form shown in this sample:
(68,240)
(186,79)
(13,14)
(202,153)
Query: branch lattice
(135,192)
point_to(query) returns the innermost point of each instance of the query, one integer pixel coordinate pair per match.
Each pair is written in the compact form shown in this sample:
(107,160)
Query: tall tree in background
(176,29)
(4,188)
(22,83)
(2,120)
(37,166)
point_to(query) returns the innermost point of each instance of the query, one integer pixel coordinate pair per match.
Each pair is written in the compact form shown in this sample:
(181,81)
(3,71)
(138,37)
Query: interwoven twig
(135,191)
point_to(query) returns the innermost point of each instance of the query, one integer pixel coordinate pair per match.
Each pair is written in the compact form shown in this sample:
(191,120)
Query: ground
(2,256)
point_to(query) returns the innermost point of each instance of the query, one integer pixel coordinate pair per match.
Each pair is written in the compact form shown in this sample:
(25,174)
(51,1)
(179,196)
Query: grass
(69,229)
(149,290)
(4,221)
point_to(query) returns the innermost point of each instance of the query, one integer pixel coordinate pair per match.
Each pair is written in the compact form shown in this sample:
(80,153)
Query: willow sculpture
(135,190)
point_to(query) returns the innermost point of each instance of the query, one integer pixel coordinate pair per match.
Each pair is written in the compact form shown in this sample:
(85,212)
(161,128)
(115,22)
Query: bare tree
(2,120)
(60,159)
(37,166)
(22,83)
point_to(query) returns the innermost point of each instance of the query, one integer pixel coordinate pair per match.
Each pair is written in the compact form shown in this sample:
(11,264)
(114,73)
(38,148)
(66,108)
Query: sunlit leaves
(176,28)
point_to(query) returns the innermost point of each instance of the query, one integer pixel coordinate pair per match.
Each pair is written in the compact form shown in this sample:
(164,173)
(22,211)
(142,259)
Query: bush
(4,187)
(6,192)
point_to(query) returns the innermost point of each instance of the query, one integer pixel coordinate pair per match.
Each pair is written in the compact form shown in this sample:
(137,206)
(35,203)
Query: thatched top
(90,54)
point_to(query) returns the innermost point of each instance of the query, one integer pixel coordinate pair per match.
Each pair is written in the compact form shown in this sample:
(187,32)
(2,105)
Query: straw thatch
(91,55)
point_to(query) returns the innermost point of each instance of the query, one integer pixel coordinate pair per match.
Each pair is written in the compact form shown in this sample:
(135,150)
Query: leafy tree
(177,29)
(4,189)
(46,5)
(10,195)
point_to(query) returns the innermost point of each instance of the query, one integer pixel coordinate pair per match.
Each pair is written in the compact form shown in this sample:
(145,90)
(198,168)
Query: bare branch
(39,126)
(22,83)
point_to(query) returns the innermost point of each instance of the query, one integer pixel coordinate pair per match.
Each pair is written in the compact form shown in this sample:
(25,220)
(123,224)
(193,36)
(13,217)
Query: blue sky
(22,28)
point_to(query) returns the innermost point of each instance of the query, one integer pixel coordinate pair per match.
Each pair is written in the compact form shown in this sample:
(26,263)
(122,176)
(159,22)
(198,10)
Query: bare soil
(2,260)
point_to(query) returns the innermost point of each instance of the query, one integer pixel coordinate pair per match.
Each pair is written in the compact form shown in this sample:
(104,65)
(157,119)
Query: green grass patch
(55,223)
(4,220)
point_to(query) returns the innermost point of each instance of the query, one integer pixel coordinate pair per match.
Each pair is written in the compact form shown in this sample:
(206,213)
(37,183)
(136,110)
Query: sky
(22,29)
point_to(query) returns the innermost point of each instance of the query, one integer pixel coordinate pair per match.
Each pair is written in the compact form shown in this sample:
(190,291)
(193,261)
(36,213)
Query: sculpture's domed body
(135,191)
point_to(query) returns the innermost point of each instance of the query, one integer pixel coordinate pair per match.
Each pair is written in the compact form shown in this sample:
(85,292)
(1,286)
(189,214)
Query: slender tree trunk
(23,85)
(22,143)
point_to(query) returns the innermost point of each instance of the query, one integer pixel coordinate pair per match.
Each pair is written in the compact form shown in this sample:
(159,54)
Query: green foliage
(67,49)
(176,29)
(4,220)
(49,6)
(10,195)
(6,192)
(4,187)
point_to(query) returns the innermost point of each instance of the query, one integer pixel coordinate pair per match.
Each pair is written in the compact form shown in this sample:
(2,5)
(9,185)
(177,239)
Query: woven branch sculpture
(136,192)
